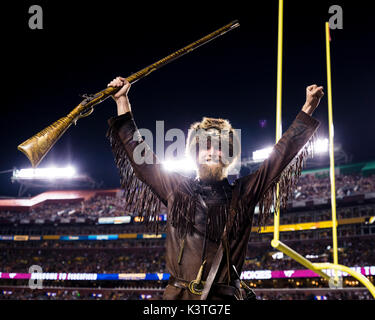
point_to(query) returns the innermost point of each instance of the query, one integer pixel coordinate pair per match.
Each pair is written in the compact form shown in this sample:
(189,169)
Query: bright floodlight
(45,173)
(262,154)
(184,165)
(321,146)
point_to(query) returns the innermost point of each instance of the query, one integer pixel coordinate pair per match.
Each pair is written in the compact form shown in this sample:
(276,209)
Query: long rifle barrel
(38,145)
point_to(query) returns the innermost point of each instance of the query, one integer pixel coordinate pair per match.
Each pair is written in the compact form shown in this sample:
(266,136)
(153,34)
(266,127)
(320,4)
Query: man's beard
(212,173)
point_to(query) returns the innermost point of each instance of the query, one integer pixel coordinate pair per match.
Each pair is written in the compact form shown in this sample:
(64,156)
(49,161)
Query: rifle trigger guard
(83,115)
(86,114)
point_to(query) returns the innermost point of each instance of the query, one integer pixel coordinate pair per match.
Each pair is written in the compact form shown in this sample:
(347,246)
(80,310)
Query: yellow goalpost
(276,243)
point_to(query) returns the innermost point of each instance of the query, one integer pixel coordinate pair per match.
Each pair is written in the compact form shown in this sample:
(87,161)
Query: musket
(38,145)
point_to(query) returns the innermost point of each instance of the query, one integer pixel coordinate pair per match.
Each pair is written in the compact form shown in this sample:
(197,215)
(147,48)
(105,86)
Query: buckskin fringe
(217,216)
(220,216)
(240,220)
(183,213)
(140,198)
(287,182)
(183,217)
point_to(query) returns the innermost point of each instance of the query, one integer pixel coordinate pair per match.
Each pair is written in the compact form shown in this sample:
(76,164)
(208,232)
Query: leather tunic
(149,184)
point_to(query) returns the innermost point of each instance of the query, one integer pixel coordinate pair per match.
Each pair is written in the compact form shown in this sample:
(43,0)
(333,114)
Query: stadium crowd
(309,187)
(97,206)
(86,245)
(73,229)
(315,215)
(287,217)
(64,294)
(148,256)
(307,295)
(82,262)
(353,252)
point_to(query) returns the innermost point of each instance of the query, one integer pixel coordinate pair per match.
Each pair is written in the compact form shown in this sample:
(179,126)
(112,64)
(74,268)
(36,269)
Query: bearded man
(199,208)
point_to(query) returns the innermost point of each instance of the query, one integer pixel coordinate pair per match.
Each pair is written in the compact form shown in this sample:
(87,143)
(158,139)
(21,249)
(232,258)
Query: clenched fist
(313,96)
(121,96)
(120,82)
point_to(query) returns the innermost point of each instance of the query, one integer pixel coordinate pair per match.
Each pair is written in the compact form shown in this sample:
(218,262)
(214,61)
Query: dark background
(85,44)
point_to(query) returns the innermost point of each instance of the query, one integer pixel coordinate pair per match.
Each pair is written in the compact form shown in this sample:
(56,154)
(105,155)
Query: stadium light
(262,154)
(45,173)
(183,165)
(321,145)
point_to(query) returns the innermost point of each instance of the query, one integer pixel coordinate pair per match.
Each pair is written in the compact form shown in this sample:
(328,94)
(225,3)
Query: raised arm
(285,162)
(125,138)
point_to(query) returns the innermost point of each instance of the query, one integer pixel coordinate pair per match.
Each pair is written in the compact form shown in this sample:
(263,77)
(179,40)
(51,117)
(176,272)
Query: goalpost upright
(276,243)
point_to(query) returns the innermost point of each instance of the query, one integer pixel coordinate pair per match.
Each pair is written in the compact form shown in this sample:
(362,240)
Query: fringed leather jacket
(197,210)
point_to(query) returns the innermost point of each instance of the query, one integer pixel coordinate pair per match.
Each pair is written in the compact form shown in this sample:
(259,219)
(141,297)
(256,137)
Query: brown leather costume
(147,185)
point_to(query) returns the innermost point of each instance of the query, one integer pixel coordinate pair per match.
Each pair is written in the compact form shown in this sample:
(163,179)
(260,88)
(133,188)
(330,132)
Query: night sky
(84,46)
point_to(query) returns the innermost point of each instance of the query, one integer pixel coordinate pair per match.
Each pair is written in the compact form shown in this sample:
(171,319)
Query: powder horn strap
(218,257)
